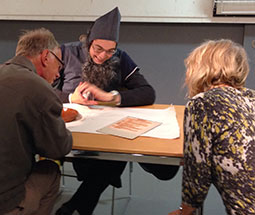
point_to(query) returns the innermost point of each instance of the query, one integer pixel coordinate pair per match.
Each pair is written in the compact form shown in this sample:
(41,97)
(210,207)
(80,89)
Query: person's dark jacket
(30,124)
(132,86)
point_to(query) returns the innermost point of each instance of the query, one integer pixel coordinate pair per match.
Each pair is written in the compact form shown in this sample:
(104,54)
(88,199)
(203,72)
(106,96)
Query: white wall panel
(175,11)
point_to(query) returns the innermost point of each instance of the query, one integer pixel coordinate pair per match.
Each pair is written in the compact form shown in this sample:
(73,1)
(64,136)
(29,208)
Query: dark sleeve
(73,58)
(62,95)
(138,90)
(50,136)
(70,76)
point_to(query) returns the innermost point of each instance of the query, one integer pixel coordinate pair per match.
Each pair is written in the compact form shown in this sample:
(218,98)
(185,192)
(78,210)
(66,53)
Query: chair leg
(63,175)
(130,177)
(113,198)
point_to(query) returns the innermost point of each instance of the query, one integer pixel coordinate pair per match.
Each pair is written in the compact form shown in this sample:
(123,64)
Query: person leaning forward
(219,124)
(31,124)
(96,70)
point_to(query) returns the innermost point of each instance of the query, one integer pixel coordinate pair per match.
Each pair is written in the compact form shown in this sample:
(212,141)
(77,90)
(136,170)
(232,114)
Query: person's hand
(77,96)
(186,210)
(177,212)
(97,93)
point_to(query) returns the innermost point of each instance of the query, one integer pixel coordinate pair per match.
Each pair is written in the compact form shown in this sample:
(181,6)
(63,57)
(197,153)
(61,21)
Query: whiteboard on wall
(131,10)
(235,7)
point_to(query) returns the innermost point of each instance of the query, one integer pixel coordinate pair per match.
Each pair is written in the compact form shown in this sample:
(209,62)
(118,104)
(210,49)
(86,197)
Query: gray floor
(150,196)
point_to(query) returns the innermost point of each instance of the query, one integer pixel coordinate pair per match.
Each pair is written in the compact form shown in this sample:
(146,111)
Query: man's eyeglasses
(58,59)
(98,49)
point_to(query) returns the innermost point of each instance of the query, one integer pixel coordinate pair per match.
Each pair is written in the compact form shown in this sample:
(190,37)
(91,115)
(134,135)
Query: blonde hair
(33,42)
(215,63)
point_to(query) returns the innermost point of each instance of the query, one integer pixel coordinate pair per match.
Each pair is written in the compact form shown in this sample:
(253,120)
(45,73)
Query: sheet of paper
(95,118)
(129,127)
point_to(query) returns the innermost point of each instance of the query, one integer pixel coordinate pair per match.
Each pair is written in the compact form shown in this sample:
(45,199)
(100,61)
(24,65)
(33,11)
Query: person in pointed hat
(97,71)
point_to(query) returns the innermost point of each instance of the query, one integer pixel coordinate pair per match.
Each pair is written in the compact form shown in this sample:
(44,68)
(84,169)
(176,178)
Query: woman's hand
(96,93)
(184,210)
(177,212)
(77,96)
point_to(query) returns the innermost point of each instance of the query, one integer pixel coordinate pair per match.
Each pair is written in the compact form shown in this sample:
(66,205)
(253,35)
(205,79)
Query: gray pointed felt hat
(106,27)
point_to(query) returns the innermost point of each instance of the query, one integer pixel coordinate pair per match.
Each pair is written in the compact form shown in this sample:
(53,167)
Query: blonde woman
(219,129)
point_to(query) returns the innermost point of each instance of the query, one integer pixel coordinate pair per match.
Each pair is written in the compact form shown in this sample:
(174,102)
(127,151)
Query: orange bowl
(69,114)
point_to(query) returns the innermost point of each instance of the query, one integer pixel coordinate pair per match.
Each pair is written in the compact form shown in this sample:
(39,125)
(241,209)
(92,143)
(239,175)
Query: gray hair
(33,42)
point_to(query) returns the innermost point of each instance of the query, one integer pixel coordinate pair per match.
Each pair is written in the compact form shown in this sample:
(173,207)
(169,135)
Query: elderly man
(96,70)
(31,124)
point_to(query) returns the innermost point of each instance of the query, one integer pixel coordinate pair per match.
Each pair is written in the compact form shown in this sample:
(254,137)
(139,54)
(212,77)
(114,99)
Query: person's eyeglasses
(98,49)
(58,59)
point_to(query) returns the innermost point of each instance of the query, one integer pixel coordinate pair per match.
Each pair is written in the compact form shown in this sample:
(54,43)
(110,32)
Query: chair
(63,175)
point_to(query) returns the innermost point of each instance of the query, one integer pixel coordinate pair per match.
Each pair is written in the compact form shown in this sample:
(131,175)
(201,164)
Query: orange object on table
(69,114)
